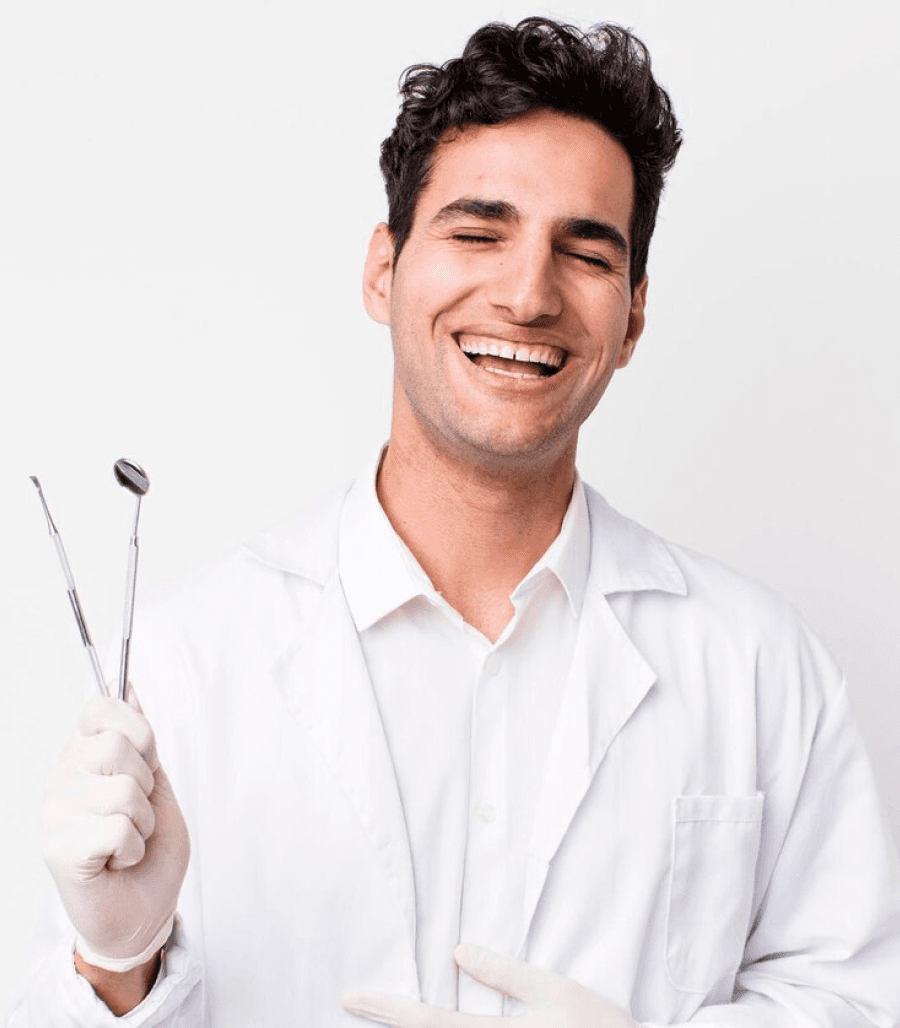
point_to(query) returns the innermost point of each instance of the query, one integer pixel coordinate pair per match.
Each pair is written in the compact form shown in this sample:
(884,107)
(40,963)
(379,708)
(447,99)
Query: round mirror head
(132,476)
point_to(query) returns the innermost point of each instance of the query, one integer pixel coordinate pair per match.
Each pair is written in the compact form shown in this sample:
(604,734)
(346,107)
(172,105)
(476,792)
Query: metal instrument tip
(37,486)
(131,476)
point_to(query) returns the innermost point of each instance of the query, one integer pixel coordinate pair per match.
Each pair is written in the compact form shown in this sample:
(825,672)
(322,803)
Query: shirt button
(486,813)
(492,664)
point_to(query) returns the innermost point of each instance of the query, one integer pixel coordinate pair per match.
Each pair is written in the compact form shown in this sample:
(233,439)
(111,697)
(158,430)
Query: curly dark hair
(603,75)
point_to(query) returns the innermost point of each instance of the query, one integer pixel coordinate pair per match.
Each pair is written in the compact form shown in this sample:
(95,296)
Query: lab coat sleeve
(824,946)
(56,996)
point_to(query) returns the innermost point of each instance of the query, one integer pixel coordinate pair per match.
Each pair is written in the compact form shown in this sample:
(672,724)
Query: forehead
(549,165)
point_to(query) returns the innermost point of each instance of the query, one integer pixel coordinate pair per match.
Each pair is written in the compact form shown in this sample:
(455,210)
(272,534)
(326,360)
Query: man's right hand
(114,835)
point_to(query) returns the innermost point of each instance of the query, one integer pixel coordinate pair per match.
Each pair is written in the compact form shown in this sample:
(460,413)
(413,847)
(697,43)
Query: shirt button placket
(492,664)
(484,889)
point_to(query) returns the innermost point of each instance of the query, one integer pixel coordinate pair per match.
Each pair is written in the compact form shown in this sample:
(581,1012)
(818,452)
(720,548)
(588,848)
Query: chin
(508,452)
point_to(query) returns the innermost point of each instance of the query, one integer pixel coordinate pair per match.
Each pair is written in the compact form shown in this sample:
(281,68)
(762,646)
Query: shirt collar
(379,573)
(569,555)
(624,557)
(377,576)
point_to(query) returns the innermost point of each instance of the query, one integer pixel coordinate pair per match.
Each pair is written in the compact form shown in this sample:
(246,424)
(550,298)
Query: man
(466,701)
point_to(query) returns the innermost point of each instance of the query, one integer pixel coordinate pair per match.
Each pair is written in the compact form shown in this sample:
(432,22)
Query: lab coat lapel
(326,685)
(607,681)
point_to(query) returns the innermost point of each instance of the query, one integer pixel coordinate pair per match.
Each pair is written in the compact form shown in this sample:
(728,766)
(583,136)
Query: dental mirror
(130,476)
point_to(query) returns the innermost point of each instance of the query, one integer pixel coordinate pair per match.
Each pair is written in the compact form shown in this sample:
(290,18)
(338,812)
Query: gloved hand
(114,836)
(552,1001)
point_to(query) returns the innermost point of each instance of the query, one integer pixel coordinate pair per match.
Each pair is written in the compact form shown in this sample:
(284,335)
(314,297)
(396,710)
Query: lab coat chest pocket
(714,851)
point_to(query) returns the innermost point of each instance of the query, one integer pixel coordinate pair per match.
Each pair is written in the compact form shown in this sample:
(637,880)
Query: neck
(476,532)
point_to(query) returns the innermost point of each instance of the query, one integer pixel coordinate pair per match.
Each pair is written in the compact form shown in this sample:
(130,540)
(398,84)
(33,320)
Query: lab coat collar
(625,556)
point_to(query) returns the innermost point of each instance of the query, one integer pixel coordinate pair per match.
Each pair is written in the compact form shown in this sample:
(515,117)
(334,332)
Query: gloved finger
(105,713)
(73,809)
(403,1012)
(114,794)
(80,848)
(505,974)
(108,753)
(123,841)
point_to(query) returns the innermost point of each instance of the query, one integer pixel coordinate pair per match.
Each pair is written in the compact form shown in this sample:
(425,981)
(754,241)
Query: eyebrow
(500,210)
(469,206)
(589,228)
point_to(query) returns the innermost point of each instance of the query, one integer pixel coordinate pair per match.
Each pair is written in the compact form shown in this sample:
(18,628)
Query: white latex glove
(113,834)
(551,1000)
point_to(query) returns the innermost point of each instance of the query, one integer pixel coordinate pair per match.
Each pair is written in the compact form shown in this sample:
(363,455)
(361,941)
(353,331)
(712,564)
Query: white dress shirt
(468,725)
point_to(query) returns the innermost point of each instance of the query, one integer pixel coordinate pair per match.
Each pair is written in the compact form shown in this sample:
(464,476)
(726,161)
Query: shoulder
(672,592)
(627,557)
(259,590)
(305,544)
(213,633)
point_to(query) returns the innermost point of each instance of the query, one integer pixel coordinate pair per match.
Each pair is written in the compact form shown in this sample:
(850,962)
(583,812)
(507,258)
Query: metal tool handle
(72,593)
(130,584)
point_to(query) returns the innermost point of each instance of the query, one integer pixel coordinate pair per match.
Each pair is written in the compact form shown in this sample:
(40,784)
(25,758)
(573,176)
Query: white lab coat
(708,848)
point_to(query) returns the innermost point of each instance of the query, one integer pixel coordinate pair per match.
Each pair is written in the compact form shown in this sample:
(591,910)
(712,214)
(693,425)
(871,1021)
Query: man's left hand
(551,1000)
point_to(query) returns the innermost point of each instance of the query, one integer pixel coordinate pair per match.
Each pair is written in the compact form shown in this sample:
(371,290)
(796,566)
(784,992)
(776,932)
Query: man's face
(509,305)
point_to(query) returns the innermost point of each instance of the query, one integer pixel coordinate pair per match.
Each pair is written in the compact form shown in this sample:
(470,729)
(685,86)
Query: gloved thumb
(141,734)
(131,698)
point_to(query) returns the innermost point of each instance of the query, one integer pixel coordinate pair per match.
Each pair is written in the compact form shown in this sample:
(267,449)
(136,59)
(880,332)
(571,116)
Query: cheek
(438,282)
(606,322)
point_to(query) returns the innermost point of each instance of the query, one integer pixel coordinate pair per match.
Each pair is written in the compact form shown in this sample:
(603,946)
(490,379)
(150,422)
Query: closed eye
(595,262)
(590,259)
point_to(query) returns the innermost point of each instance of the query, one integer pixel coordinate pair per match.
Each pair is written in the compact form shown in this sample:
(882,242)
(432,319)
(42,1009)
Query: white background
(186,194)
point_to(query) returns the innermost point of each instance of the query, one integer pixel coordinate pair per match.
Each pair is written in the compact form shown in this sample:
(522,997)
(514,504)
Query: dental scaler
(132,477)
(73,594)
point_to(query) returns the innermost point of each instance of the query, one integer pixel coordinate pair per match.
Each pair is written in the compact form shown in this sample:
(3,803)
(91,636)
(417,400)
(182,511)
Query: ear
(378,275)
(635,323)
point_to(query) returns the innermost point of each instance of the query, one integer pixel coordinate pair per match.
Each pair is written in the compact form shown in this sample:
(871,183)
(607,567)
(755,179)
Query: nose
(525,282)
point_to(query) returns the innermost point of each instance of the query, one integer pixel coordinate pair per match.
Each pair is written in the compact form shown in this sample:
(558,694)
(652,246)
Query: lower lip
(509,374)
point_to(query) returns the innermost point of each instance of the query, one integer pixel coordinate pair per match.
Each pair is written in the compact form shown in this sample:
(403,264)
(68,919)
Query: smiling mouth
(519,360)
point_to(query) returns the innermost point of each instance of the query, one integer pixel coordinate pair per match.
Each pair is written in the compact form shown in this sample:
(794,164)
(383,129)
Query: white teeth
(551,358)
